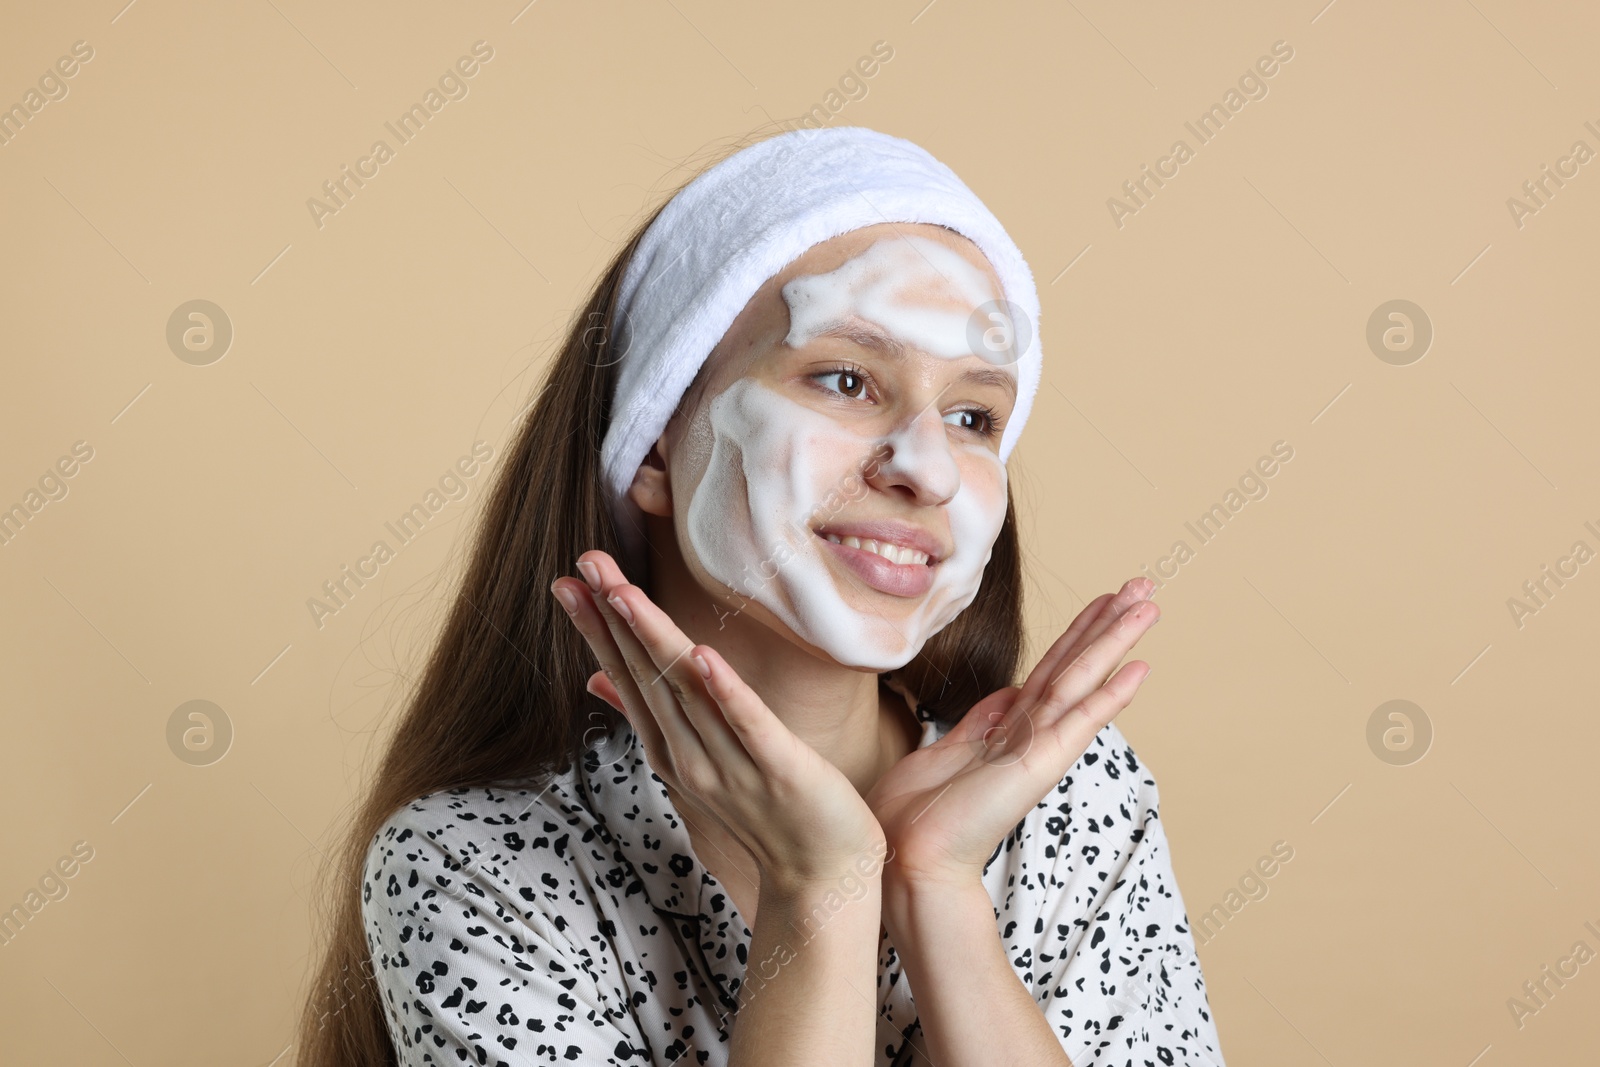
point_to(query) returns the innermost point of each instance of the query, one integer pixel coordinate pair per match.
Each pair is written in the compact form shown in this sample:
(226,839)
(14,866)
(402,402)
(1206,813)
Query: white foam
(776,464)
(778,467)
(873,286)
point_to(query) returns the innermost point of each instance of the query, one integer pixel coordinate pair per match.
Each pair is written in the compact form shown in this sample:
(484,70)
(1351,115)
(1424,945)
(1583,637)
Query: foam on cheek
(872,284)
(773,463)
(746,519)
(976,513)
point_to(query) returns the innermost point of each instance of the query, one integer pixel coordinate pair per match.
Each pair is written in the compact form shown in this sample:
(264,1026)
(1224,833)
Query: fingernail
(622,607)
(591,574)
(568,601)
(700,661)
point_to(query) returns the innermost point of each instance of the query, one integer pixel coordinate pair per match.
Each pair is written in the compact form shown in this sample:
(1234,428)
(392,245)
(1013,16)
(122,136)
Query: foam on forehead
(741,222)
(873,285)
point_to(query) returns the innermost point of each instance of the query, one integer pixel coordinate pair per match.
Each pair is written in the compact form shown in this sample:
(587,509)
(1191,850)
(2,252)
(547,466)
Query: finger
(673,654)
(1087,671)
(1132,592)
(1076,730)
(733,722)
(665,692)
(601,686)
(687,696)
(767,742)
(993,713)
(1090,623)
(591,623)
(1064,645)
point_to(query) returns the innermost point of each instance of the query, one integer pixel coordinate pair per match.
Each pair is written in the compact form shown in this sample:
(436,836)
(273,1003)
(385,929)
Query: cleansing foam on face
(752,520)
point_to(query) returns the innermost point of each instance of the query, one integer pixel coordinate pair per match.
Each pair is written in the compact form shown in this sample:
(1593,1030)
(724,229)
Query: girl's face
(844,448)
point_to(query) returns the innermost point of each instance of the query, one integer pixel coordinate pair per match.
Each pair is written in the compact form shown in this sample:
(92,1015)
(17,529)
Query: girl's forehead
(836,251)
(919,290)
(759,330)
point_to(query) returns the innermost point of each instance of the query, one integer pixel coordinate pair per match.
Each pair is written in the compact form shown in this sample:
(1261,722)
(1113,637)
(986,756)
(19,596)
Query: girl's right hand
(715,743)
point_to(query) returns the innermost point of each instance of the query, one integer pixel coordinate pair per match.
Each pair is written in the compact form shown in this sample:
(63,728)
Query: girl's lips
(896,579)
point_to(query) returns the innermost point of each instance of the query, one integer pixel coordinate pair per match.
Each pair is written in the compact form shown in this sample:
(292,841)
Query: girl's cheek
(979,509)
(841,459)
(985,477)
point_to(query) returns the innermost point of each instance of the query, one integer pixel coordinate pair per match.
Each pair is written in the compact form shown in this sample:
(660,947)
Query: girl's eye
(985,422)
(855,380)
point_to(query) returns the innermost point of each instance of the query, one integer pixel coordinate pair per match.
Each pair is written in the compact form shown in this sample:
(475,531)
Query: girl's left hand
(944,808)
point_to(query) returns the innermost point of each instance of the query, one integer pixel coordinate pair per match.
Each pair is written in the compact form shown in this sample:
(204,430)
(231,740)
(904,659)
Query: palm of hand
(942,808)
(945,808)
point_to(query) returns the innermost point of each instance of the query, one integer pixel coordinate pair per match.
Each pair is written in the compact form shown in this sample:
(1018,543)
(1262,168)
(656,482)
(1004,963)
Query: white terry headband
(741,222)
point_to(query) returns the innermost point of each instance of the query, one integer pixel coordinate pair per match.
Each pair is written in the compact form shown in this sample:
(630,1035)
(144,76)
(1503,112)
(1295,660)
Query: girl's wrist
(914,883)
(846,877)
(914,904)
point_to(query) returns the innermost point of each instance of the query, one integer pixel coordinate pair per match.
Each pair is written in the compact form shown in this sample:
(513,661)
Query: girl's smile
(884,565)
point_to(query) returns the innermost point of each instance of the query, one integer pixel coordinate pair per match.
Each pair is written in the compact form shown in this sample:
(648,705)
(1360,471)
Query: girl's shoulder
(478,841)
(484,929)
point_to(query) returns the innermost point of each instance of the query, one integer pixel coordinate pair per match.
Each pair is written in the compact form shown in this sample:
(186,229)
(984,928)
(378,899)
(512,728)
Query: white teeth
(891,552)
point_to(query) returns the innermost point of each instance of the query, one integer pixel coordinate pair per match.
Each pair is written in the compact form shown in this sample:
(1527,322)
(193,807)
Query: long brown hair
(502,698)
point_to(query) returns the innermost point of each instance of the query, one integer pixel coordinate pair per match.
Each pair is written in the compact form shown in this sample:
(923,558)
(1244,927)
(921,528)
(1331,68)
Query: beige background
(1229,313)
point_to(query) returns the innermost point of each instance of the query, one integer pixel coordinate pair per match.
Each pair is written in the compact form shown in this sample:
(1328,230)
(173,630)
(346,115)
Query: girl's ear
(651,490)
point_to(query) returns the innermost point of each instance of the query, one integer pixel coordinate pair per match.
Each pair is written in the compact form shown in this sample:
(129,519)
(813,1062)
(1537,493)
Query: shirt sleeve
(1117,975)
(469,968)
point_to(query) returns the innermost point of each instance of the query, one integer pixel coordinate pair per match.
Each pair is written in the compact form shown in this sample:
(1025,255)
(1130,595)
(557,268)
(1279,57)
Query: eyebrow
(870,335)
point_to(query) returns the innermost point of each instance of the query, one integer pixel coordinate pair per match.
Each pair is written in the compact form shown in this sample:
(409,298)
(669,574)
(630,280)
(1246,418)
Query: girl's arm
(810,988)
(1042,774)
(973,1008)
(467,970)
(1104,965)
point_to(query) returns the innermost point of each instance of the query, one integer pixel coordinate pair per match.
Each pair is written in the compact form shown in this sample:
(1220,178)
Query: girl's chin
(879,643)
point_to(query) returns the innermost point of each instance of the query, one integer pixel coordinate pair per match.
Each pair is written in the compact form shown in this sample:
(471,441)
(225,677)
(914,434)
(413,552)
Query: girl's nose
(919,460)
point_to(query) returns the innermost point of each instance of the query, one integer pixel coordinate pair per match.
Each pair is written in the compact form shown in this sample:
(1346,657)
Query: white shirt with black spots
(573,924)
